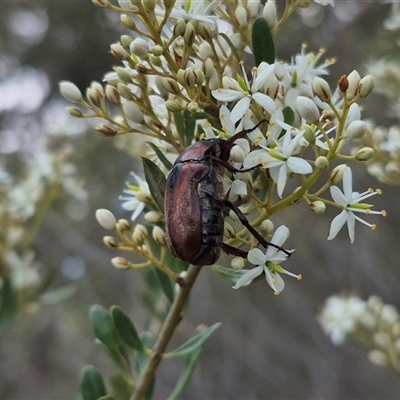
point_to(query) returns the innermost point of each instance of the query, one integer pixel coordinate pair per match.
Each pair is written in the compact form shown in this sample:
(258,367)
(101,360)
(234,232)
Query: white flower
(138,197)
(280,160)
(340,316)
(247,93)
(325,2)
(24,269)
(351,203)
(268,263)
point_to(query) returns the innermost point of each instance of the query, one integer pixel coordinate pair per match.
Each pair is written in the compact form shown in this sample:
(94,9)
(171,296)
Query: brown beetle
(194,218)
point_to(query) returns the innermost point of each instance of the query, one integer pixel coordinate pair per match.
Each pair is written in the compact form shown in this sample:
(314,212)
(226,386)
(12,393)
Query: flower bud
(343,84)
(101,3)
(378,357)
(133,112)
(238,263)
(152,217)
(269,13)
(236,40)
(271,86)
(106,218)
(253,8)
(193,107)
(140,47)
(70,91)
(106,130)
(237,154)
(157,51)
(189,77)
(93,97)
(366,85)
(189,34)
(120,263)
(149,5)
(208,68)
(267,226)
(205,50)
(159,236)
(127,22)
(124,75)
(123,225)
(229,231)
(124,91)
(322,163)
(204,31)
(365,154)
(318,206)
(113,95)
(233,216)
(354,79)
(337,174)
(199,76)
(241,16)
(307,109)
(110,242)
(75,112)
(309,133)
(126,40)
(171,86)
(321,89)
(118,52)
(139,235)
(356,129)
(173,106)
(179,27)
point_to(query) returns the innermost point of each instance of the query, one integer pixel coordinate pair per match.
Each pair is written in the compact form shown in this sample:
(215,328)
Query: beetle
(194,203)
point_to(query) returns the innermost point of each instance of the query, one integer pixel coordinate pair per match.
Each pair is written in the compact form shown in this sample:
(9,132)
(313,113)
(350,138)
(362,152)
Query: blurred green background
(268,347)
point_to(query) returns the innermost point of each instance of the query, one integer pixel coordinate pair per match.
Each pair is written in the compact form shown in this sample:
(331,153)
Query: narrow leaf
(166,285)
(103,326)
(8,305)
(156,181)
(126,328)
(231,275)
(107,397)
(180,125)
(262,41)
(288,118)
(190,126)
(92,384)
(231,46)
(122,387)
(167,164)
(194,342)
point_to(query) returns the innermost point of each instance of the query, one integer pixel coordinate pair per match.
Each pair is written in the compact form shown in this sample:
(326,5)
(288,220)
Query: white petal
(347,184)
(255,157)
(280,236)
(265,102)
(274,280)
(282,180)
(138,210)
(227,95)
(299,165)
(256,257)
(248,276)
(337,224)
(225,118)
(241,107)
(263,71)
(239,187)
(350,225)
(338,196)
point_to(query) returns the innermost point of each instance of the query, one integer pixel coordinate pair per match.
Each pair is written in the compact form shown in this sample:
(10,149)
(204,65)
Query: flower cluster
(182,78)
(373,323)
(47,174)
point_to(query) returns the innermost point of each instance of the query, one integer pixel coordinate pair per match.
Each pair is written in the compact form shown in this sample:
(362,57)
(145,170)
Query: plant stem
(172,321)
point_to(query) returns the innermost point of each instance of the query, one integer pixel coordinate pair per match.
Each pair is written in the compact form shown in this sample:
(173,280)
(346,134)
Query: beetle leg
(254,232)
(233,250)
(231,168)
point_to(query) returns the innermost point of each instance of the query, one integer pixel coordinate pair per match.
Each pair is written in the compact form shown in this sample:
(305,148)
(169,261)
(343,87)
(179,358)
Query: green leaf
(167,164)
(107,397)
(59,295)
(175,264)
(103,326)
(231,275)
(92,384)
(231,46)
(288,118)
(8,305)
(190,364)
(126,329)
(263,43)
(194,342)
(166,284)
(179,123)
(203,115)
(190,126)
(156,181)
(122,387)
